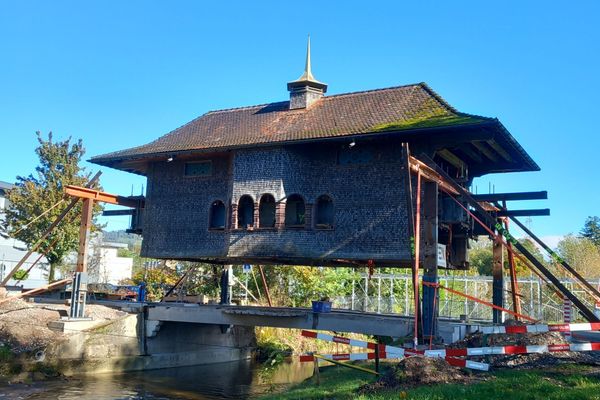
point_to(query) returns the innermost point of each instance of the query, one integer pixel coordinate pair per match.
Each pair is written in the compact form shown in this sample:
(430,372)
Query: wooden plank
(96,195)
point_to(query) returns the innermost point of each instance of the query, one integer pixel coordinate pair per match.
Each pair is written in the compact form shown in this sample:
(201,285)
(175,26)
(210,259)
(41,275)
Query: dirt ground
(24,325)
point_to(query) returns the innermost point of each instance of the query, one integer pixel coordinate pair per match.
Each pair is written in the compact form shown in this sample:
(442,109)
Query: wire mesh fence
(393,293)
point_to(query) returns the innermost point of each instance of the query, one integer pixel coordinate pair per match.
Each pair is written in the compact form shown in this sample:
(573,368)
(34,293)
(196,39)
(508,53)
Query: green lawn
(566,382)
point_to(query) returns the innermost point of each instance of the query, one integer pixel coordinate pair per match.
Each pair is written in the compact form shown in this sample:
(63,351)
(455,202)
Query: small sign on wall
(441,255)
(247,268)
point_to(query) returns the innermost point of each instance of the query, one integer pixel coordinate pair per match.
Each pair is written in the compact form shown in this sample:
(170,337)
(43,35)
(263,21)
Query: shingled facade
(313,180)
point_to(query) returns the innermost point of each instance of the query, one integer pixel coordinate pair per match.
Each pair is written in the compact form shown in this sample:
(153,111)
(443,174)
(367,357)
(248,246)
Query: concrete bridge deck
(337,320)
(298,318)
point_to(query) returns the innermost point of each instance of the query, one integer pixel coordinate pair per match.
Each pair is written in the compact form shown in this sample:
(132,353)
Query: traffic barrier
(496,350)
(541,328)
(457,362)
(385,351)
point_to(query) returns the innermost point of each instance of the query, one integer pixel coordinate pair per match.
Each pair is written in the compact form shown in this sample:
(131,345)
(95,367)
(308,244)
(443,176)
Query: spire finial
(306,89)
(307,69)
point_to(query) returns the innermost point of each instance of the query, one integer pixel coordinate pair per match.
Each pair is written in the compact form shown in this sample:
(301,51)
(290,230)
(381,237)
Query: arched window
(266,211)
(324,212)
(294,211)
(217,215)
(245,212)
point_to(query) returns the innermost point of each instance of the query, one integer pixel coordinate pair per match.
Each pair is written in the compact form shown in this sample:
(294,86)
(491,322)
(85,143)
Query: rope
(38,217)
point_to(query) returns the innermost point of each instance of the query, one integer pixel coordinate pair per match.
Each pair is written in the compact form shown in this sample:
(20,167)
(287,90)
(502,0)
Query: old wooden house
(312,180)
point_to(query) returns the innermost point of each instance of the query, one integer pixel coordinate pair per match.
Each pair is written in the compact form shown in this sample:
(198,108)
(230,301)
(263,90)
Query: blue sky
(119,74)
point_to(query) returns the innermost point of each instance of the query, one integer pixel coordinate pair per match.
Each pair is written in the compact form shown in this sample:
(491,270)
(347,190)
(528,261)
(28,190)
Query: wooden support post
(264,281)
(498,280)
(47,232)
(514,285)
(84,234)
(413,235)
(430,264)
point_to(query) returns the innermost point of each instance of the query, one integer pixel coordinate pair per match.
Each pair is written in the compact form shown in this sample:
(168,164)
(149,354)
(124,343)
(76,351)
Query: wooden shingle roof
(399,108)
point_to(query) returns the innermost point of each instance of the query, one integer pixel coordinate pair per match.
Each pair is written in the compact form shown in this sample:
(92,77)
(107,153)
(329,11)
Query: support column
(80,277)
(430,264)
(226,284)
(498,280)
(84,234)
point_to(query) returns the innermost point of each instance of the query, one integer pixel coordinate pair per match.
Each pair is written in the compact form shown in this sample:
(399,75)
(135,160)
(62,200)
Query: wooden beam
(96,195)
(494,145)
(452,159)
(542,195)
(466,148)
(84,234)
(47,232)
(486,152)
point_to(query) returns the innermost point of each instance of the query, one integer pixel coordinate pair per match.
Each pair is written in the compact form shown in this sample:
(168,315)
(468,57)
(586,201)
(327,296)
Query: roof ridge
(437,97)
(372,90)
(324,97)
(244,107)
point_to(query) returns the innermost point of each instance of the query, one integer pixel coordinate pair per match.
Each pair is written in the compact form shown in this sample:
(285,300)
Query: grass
(557,383)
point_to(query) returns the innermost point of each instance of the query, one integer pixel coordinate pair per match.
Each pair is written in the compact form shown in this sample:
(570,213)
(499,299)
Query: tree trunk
(51,272)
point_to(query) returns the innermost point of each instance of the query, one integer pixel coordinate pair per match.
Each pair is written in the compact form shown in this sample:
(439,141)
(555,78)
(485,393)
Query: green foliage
(591,230)
(38,192)
(158,281)
(481,257)
(520,266)
(562,383)
(309,283)
(581,254)
(21,275)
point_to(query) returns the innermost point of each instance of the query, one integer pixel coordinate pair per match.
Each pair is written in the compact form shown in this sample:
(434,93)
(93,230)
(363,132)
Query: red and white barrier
(495,350)
(540,328)
(385,351)
(457,362)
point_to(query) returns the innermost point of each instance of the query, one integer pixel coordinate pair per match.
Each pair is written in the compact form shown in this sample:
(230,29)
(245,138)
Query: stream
(232,380)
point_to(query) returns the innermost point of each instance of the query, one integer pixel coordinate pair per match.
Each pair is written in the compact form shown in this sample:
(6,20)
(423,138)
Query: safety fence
(392,293)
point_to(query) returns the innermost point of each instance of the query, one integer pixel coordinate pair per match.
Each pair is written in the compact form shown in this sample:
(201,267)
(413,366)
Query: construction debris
(417,371)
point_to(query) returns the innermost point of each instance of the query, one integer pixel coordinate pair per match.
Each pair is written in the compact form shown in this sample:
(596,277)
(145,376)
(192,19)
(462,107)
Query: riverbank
(569,381)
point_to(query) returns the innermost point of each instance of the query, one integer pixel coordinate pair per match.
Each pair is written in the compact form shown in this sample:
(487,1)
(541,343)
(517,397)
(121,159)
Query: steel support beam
(542,195)
(488,219)
(542,212)
(498,280)
(430,264)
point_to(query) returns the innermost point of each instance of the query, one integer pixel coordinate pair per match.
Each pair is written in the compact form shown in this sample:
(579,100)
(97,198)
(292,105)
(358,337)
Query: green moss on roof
(429,122)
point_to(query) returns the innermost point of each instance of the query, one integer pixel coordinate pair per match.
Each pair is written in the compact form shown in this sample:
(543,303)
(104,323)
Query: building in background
(12,251)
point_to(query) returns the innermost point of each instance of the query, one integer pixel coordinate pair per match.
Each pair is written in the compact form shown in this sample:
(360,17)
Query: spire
(305,90)
(307,75)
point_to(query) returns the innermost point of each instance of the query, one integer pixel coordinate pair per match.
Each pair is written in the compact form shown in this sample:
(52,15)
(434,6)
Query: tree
(39,192)
(581,254)
(481,257)
(591,230)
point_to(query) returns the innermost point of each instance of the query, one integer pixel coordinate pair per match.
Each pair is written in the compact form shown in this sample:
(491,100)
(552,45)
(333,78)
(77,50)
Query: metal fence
(393,293)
